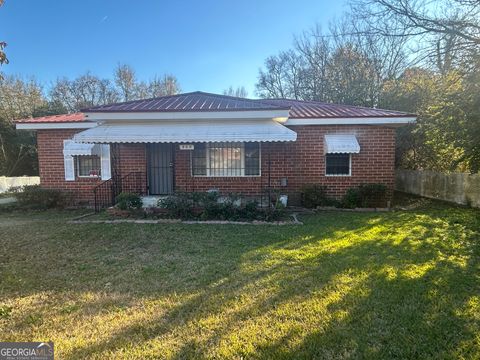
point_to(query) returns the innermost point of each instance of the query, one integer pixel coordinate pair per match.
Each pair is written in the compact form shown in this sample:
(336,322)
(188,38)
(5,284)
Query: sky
(208,45)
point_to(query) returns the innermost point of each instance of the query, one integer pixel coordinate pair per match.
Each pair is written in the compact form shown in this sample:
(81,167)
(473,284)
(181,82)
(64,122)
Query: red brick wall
(50,158)
(50,161)
(303,162)
(300,162)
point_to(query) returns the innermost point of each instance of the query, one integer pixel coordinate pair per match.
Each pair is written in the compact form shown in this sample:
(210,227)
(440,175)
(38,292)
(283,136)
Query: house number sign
(186,147)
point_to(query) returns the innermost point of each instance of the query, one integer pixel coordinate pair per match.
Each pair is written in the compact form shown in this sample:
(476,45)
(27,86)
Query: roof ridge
(176,95)
(137,100)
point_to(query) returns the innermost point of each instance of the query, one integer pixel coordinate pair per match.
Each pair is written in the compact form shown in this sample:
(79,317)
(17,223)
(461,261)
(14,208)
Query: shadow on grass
(395,285)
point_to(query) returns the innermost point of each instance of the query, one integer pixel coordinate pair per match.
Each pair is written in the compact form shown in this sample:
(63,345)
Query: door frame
(147,153)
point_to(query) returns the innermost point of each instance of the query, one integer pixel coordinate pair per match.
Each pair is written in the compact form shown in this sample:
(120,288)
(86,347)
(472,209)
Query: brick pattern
(131,158)
(52,175)
(301,162)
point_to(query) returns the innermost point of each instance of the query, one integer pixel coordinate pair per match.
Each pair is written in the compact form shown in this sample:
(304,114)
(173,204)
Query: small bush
(351,199)
(365,196)
(180,205)
(128,201)
(35,197)
(373,195)
(315,195)
(212,206)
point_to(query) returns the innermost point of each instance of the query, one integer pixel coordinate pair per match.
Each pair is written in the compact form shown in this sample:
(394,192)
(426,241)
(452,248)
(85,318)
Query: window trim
(242,152)
(340,175)
(77,170)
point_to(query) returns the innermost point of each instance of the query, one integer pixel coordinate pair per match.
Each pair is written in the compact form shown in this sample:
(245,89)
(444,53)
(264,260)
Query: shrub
(351,199)
(365,195)
(35,197)
(212,206)
(314,195)
(128,201)
(180,205)
(373,195)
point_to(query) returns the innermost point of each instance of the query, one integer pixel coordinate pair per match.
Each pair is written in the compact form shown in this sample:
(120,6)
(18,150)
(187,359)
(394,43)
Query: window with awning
(338,151)
(86,160)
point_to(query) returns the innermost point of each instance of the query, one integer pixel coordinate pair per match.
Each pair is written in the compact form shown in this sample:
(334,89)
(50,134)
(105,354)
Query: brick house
(199,141)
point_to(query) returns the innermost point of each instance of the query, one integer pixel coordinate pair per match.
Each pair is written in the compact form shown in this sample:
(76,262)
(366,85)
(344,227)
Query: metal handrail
(106,192)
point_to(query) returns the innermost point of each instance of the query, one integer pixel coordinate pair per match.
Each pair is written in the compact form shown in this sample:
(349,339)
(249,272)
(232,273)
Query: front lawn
(345,285)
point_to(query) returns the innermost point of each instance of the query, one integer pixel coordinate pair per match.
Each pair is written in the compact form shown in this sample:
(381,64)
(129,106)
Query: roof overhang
(55,125)
(187,131)
(389,121)
(277,115)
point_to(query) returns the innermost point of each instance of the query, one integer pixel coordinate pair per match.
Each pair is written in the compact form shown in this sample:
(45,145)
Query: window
(337,164)
(226,159)
(88,165)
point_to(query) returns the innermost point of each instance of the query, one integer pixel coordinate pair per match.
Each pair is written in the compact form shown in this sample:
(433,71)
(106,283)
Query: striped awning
(341,144)
(72,148)
(187,131)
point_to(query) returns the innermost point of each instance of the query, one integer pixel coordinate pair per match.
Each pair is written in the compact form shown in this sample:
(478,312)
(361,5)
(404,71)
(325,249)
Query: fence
(8,182)
(460,188)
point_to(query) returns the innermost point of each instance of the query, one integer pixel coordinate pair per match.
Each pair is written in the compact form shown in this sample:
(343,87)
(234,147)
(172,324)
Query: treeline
(411,55)
(22,98)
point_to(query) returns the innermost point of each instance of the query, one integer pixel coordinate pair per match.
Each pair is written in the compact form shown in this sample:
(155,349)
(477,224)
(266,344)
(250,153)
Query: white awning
(338,144)
(187,131)
(72,148)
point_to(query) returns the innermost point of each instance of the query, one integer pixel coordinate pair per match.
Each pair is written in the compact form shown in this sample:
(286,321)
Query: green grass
(399,285)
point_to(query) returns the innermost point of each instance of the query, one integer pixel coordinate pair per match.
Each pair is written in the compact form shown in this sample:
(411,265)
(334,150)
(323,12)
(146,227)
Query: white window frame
(242,154)
(340,175)
(77,165)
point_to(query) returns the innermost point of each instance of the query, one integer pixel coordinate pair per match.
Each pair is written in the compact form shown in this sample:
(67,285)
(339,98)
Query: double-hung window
(226,159)
(88,166)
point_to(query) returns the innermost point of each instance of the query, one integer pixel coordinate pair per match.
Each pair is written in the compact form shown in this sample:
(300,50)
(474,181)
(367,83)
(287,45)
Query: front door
(160,169)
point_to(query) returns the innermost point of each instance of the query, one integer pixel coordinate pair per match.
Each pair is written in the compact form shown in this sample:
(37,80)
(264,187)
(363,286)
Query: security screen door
(160,169)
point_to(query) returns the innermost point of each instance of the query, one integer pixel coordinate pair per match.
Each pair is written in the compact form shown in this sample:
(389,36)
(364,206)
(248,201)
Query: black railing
(106,192)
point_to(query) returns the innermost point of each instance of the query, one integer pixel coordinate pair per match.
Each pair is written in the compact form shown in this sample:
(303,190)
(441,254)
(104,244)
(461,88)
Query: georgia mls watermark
(26,350)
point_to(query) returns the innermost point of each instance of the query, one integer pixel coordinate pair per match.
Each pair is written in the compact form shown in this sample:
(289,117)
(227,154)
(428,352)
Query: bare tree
(240,92)
(84,91)
(126,82)
(282,76)
(343,65)
(3,44)
(162,86)
(441,31)
(314,49)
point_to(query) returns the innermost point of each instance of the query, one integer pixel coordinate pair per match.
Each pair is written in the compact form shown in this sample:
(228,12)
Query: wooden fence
(460,188)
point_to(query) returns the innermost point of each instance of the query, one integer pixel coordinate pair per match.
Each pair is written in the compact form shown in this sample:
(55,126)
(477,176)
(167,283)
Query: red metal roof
(200,101)
(194,101)
(64,118)
(314,109)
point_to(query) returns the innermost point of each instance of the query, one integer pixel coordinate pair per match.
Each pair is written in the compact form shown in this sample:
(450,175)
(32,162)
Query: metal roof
(191,102)
(206,102)
(300,109)
(64,118)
